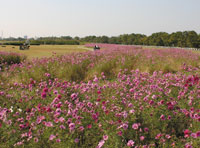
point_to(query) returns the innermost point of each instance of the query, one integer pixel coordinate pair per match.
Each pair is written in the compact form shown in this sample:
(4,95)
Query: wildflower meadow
(118,97)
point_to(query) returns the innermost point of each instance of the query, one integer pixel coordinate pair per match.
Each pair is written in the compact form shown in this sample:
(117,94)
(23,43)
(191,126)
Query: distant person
(96,47)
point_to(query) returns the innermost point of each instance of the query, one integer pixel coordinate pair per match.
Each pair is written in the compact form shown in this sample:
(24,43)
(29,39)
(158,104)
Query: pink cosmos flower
(62,126)
(130,143)
(194,135)
(61,119)
(39,119)
(81,128)
(154,97)
(119,133)
(95,79)
(162,117)
(141,138)
(131,90)
(188,145)
(151,102)
(132,111)
(47,74)
(36,139)
(95,116)
(105,137)
(135,126)
(73,96)
(101,143)
(158,136)
(76,140)
(186,133)
(125,126)
(48,124)
(71,126)
(89,126)
(58,140)
(52,137)
(55,92)
(130,105)
(168,136)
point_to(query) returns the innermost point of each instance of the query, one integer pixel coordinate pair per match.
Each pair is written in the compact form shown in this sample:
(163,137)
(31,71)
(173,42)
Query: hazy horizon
(36,18)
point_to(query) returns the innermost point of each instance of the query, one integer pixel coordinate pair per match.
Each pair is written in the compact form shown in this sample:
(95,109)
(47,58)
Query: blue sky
(97,17)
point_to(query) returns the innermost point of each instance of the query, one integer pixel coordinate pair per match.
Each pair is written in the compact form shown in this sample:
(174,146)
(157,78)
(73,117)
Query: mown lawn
(45,50)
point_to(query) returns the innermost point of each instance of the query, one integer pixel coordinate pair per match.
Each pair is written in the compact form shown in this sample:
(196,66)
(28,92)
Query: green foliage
(11,58)
(176,39)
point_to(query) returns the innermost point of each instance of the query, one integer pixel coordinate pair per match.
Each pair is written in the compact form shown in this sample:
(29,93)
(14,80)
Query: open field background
(45,50)
(41,51)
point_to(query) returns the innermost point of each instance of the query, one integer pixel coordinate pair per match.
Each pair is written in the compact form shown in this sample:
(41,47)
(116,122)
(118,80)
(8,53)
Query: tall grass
(8,58)
(83,66)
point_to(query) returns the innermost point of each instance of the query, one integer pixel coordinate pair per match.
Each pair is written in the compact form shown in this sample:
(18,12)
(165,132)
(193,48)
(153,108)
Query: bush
(7,58)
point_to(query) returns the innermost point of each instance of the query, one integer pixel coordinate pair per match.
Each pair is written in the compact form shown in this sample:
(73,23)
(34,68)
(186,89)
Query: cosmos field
(121,96)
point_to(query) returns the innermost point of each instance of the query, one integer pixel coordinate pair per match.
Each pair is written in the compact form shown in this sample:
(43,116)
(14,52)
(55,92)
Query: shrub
(7,58)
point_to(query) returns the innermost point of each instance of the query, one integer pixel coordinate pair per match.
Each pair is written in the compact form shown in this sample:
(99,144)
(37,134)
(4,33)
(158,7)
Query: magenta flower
(36,139)
(59,96)
(186,133)
(146,129)
(119,133)
(89,126)
(198,134)
(43,95)
(58,140)
(45,90)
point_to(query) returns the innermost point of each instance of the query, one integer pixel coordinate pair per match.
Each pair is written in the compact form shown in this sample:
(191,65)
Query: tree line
(175,39)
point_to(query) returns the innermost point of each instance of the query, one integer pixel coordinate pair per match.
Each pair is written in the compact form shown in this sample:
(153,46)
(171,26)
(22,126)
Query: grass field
(45,50)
